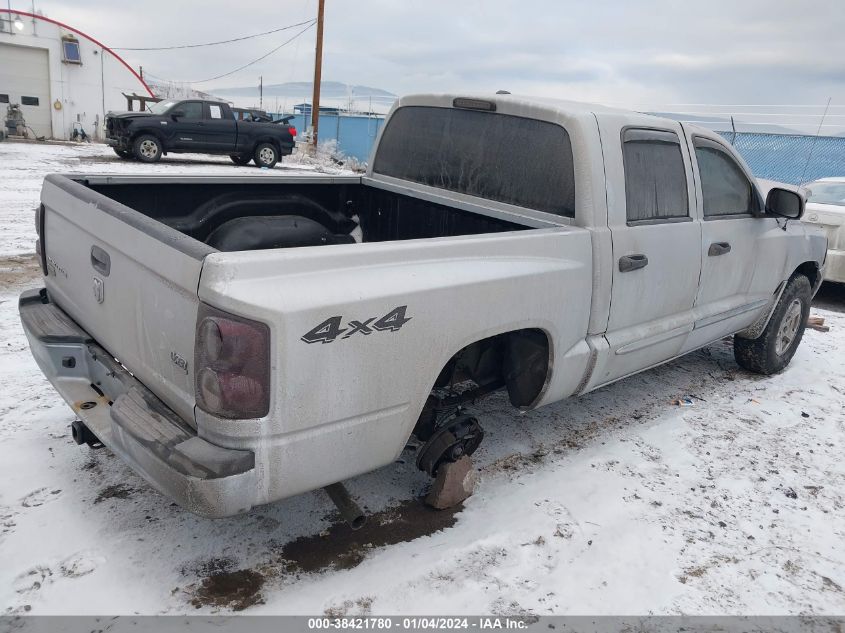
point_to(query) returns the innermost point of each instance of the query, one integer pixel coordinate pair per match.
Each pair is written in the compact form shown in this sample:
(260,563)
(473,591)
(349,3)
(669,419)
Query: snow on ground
(24,165)
(617,502)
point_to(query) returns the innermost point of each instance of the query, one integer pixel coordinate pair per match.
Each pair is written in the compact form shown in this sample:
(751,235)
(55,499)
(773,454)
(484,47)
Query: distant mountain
(328,89)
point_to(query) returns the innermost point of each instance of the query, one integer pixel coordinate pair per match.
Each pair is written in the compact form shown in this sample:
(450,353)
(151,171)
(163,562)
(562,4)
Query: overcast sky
(611,51)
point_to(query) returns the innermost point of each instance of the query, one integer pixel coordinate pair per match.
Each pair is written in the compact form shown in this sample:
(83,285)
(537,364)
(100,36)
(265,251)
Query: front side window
(498,157)
(655,177)
(724,185)
(190,110)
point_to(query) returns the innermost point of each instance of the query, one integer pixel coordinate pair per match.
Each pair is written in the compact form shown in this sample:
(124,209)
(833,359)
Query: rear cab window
(498,157)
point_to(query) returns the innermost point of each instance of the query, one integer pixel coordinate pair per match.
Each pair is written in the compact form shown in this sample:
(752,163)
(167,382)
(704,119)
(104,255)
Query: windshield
(162,106)
(827,192)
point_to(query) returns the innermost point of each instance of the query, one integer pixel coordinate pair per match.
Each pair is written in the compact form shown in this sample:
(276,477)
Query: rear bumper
(128,418)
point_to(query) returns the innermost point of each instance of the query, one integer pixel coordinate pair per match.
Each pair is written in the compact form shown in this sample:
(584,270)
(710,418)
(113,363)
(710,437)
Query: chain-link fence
(784,157)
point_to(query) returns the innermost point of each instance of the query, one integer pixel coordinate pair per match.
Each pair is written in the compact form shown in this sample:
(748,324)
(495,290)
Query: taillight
(39,243)
(292,131)
(232,365)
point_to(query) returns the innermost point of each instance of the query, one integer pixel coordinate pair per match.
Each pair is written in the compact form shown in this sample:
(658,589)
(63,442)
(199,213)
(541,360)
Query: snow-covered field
(617,502)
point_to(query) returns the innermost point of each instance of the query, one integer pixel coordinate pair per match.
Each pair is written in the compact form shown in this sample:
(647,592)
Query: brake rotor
(462,436)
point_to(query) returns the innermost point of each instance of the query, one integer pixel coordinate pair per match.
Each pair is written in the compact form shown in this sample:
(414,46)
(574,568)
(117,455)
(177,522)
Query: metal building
(62,78)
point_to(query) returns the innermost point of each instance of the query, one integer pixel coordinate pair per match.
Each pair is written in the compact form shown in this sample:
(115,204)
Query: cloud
(657,51)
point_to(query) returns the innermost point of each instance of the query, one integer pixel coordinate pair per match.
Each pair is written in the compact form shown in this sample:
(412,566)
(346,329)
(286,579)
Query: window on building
(724,185)
(29,101)
(500,157)
(4,98)
(70,51)
(655,178)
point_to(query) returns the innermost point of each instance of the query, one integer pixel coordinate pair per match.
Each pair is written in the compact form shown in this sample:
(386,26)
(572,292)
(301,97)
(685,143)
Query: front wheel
(266,155)
(775,347)
(147,148)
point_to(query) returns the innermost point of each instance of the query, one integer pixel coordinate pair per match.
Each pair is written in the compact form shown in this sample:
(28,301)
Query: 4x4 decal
(330,329)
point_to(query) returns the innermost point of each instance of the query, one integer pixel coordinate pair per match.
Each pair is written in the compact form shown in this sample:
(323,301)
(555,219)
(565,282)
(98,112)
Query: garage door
(25,79)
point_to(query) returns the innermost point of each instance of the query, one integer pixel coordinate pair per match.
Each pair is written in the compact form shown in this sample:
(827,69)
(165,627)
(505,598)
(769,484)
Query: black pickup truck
(196,126)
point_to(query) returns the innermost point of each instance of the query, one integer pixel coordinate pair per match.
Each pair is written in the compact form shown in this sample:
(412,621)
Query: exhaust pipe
(349,510)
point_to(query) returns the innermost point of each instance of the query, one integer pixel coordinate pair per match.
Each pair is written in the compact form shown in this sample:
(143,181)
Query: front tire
(147,148)
(266,155)
(774,348)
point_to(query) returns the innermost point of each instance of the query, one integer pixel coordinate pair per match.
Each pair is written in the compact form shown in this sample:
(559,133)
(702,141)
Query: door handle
(718,248)
(101,261)
(632,262)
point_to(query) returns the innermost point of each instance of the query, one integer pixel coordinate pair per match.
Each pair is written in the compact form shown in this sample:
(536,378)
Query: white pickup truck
(238,340)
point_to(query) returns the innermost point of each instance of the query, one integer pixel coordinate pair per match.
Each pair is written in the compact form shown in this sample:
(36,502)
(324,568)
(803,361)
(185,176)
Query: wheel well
(154,133)
(270,140)
(518,360)
(810,270)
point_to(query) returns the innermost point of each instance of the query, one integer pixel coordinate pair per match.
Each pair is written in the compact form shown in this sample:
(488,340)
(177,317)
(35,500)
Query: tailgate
(128,280)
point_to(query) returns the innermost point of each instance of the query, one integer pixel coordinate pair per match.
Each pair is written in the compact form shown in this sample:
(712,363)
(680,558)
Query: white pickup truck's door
(741,266)
(656,248)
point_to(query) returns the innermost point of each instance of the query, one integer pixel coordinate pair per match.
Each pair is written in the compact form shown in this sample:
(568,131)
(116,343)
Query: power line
(237,39)
(247,65)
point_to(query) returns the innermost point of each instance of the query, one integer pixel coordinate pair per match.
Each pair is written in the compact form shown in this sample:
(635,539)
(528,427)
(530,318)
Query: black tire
(147,148)
(266,155)
(240,159)
(125,154)
(775,347)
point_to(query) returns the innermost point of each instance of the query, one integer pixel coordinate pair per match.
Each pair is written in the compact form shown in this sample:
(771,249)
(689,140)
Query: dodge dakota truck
(238,340)
(202,127)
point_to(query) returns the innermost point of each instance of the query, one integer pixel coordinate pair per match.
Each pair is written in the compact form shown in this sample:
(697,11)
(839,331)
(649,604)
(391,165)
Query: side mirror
(176,114)
(785,203)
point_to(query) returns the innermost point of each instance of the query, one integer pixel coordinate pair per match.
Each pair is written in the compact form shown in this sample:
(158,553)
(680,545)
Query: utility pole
(261,92)
(318,71)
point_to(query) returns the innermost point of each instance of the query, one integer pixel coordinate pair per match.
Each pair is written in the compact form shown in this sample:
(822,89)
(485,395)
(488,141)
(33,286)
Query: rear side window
(215,111)
(655,178)
(494,156)
(725,188)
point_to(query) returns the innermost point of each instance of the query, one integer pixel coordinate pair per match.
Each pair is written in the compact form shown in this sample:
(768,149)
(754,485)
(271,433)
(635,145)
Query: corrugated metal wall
(355,135)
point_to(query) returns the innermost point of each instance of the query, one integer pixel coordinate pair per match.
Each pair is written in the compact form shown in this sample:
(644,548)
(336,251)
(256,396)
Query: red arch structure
(87,37)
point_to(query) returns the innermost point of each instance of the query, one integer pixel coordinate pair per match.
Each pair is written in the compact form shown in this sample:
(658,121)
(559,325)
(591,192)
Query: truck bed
(226,213)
